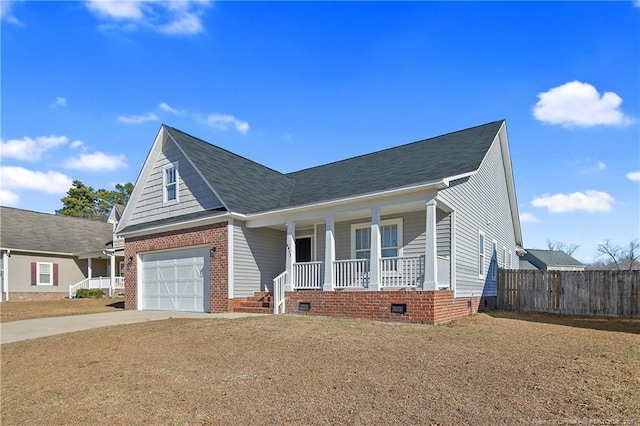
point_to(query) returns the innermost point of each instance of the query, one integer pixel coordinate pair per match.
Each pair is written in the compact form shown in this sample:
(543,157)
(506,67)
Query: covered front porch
(404,246)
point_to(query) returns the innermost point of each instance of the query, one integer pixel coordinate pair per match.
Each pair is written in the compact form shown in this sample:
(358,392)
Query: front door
(303,249)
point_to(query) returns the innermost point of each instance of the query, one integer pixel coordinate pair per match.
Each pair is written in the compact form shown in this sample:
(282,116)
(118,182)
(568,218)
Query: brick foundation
(27,296)
(214,235)
(427,307)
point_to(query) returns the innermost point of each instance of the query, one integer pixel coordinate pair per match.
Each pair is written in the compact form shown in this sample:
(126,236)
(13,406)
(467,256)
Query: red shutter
(55,274)
(34,273)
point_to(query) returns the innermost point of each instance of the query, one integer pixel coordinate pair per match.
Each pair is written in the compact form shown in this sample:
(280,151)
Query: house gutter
(437,185)
(36,251)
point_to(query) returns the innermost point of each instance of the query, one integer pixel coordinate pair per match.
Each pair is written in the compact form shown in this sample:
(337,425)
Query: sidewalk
(16,331)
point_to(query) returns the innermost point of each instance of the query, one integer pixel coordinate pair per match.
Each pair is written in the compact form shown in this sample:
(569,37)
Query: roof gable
(245,186)
(49,233)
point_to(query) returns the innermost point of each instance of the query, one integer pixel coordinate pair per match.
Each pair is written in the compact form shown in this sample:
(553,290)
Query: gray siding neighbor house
(549,260)
(208,230)
(43,255)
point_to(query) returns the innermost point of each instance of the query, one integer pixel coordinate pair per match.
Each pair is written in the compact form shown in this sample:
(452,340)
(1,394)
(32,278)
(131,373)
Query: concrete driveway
(16,331)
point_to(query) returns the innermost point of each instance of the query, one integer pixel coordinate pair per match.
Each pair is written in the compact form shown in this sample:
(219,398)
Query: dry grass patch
(307,370)
(20,310)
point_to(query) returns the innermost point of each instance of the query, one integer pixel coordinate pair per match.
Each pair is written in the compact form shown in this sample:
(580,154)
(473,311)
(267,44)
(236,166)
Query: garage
(175,280)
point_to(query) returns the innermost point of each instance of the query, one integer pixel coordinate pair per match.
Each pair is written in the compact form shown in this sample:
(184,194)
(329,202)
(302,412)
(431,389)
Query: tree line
(610,255)
(85,202)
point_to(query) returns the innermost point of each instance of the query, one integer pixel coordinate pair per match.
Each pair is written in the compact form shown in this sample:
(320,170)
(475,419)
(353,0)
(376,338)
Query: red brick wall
(428,307)
(214,235)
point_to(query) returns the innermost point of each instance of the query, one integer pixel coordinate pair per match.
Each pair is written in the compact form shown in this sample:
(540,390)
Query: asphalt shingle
(43,232)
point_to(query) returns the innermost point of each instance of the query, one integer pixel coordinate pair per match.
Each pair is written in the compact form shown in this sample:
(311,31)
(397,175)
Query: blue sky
(86,85)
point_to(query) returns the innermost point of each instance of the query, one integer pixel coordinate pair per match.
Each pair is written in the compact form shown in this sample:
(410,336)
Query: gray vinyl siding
(258,257)
(194,194)
(413,234)
(480,203)
(70,271)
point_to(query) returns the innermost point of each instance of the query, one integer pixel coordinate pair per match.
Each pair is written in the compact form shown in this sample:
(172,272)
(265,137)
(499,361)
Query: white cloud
(223,121)
(60,101)
(165,107)
(636,3)
(118,10)
(529,218)
(5,12)
(601,165)
(28,149)
(8,198)
(137,119)
(579,104)
(96,162)
(21,178)
(168,17)
(633,176)
(77,144)
(590,201)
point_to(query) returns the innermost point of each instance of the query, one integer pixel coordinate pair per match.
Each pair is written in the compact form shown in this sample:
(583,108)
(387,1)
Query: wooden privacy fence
(592,293)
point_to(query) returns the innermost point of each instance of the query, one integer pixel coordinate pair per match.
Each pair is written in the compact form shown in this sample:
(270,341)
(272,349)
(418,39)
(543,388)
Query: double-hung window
(45,273)
(390,239)
(170,183)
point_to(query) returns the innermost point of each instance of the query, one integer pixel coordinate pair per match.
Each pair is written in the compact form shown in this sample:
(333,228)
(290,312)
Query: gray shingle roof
(248,187)
(244,185)
(550,258)
(48,233)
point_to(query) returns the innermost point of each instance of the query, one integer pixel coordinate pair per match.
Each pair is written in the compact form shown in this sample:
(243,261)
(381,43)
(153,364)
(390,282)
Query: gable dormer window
(170,183)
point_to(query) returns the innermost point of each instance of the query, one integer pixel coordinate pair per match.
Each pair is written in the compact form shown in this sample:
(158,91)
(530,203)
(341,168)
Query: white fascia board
(511,186)
(320,209)
(199,172)
(147,167)
(18,250)
(177,226)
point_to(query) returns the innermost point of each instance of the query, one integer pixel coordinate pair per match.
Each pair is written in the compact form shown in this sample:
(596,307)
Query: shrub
(89,293)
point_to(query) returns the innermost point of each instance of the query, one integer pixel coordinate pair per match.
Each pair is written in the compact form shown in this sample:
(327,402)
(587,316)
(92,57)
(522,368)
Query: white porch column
(112,271)
(376,250)
(329,254)
(89,271)
(291,254)
(430,253)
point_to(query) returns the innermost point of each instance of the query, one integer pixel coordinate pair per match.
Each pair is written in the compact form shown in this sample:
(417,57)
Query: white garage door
(176,280)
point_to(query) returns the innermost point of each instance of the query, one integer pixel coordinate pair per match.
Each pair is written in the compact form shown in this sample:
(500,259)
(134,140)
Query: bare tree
(560,246)
(618,257)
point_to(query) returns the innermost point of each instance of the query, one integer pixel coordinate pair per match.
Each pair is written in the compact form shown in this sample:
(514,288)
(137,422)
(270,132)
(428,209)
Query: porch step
(260,303)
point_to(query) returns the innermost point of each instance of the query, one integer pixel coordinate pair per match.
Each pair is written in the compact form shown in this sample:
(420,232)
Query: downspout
(5,273)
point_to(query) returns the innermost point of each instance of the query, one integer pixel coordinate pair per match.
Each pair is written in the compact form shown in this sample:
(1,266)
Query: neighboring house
(423,227)
(549,260)
(44,254)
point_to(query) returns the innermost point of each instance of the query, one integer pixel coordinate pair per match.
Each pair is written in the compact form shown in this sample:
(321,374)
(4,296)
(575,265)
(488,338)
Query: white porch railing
(278,293)
(402,272)
(444,271)
(353,273)
(102,283)
(308,275)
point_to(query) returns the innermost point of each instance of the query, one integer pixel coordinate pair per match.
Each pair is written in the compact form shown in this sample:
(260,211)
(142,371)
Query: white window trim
(367,225)
(481,254)
(504,257)
(494,268)
(166,202)
(511,260)
(50,283)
